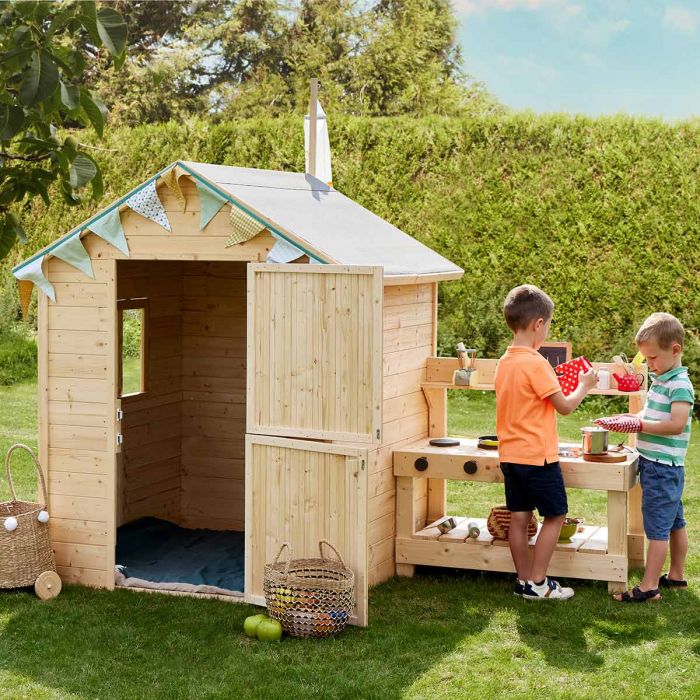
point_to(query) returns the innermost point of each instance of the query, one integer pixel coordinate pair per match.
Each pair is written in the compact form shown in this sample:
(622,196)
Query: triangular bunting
(245,227)
(172,180)
(109,228)
(71,251)
(283,252)
(26,287)
(209,204)
(33,273)
(147,203)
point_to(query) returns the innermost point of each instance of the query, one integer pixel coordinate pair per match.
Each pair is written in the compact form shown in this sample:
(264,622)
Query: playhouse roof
(307,211)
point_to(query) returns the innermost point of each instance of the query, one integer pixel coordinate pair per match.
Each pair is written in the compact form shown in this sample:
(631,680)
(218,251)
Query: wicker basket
(310,597)
(498,523)
(25,552)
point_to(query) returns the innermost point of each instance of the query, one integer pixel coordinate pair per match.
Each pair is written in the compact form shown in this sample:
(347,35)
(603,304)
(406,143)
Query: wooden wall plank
(149,476)
(214,343)
(408,330)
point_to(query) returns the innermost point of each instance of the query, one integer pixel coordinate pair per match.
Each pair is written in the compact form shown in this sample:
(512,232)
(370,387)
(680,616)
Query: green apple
(250,625)
(269,630)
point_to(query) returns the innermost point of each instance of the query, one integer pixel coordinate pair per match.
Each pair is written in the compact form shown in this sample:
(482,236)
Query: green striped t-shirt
(667,388)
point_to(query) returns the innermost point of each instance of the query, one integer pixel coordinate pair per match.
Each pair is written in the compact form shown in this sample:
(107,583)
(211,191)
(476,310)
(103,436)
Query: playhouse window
(133,346)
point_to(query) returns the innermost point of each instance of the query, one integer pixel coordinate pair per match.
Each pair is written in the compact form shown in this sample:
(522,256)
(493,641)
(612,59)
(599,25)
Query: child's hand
(623,423)
(588,379)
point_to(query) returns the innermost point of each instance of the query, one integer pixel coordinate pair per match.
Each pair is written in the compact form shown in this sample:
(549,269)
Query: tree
(45,48)
(242,58)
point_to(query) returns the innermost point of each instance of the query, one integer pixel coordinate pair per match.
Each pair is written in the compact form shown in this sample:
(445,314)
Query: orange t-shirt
(526,422)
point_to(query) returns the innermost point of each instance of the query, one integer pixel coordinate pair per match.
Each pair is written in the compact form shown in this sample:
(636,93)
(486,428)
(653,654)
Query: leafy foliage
(44,49)
(17,356)
(238,58)
(604,214)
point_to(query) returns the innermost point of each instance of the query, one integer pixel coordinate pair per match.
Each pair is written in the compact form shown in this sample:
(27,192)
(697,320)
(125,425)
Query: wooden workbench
(604,552)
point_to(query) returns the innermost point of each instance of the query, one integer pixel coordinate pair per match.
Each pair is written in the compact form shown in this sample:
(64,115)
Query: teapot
(629,382)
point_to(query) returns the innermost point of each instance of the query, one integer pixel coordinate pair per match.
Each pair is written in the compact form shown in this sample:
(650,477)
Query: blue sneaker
(519,587)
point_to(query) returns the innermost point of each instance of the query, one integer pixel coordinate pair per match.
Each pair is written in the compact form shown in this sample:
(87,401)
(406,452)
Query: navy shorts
(530,487)
(662,488)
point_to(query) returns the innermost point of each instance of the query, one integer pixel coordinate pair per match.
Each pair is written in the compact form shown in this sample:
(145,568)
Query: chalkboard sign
(556,353)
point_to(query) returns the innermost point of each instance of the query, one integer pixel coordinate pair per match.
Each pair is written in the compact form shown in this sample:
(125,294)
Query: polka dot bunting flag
(147,203)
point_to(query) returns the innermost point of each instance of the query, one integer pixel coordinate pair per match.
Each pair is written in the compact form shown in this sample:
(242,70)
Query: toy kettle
(629,382)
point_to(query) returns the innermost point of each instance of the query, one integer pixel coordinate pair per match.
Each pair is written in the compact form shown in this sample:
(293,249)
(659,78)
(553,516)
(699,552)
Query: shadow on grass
(100,644)
(120,644)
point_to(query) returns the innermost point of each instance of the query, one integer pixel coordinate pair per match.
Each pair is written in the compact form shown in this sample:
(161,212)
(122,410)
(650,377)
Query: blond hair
(525,304)
(662,327)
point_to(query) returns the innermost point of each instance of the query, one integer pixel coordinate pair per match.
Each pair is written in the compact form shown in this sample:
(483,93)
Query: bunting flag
(209,204)
(109,228)
(323,146)
(245,227)
(72,251)
(26,287)
(283,252)
(147,203)
(32,272)
(172,180)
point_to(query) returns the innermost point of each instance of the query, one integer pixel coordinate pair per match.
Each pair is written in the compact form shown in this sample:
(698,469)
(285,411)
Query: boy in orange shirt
(528,396)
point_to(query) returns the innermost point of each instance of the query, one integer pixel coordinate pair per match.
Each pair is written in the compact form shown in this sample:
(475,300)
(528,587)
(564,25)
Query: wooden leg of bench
(616,586)
(407,570)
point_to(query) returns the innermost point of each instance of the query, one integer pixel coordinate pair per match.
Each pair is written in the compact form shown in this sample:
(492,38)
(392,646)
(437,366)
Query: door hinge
(120,438)
(362,464)
(379,434)
(120,414)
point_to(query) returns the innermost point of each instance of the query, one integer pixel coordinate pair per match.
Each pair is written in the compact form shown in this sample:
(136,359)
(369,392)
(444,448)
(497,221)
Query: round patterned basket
(498,523)
(25,551)
(310,597)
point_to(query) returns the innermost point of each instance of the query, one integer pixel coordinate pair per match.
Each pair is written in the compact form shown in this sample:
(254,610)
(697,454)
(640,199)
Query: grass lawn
(443,634)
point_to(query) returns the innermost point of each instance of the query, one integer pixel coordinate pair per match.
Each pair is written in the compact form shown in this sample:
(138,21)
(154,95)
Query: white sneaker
(549,590)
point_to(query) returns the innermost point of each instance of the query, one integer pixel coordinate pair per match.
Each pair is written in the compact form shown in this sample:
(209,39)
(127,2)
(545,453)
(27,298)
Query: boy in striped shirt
(664,433)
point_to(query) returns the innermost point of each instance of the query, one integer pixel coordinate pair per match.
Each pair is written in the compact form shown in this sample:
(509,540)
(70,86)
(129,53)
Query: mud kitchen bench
(603,553)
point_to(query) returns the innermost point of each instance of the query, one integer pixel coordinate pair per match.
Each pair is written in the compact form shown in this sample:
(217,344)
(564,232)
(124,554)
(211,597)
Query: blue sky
(589,56)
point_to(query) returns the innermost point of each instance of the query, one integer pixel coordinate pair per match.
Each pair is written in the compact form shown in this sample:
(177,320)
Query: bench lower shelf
(593,539)
(584,557)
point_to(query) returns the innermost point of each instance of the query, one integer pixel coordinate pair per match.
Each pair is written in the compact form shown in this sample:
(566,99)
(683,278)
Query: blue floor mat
(157,550)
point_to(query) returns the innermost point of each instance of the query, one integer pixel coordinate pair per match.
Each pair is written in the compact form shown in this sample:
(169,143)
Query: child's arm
(673,425)
(565,405)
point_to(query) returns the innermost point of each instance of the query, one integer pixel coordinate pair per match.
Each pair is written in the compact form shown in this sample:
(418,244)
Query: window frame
(124,305)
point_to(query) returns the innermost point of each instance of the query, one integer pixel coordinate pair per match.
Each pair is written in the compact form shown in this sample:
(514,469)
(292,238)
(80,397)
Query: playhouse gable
(193,211)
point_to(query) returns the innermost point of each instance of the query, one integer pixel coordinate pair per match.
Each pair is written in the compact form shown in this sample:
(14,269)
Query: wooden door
(315,351)
(299,492)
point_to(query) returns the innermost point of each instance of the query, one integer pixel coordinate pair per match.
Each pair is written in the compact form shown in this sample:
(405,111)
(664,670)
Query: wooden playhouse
(270,397)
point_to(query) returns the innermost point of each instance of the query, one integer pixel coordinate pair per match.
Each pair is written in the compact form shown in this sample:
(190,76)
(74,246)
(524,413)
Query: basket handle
(289,557)
(337,553)
(8,474)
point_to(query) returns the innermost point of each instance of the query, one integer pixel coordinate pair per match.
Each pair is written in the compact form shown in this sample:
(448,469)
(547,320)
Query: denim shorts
(529,487)
(662,488)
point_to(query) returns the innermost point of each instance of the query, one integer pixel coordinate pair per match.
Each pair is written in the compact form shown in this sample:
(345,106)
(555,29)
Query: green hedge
(601,213)
(17,356)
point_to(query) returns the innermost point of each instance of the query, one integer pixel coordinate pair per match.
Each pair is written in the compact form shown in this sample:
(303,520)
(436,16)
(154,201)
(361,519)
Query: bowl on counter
(569,528)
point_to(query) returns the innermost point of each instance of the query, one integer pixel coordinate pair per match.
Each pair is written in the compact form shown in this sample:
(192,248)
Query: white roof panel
(326,219)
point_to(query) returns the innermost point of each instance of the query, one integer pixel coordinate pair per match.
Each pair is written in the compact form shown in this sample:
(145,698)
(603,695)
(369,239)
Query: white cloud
(681,19)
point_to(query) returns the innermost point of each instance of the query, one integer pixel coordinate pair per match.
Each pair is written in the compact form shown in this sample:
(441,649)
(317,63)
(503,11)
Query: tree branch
(29,159)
